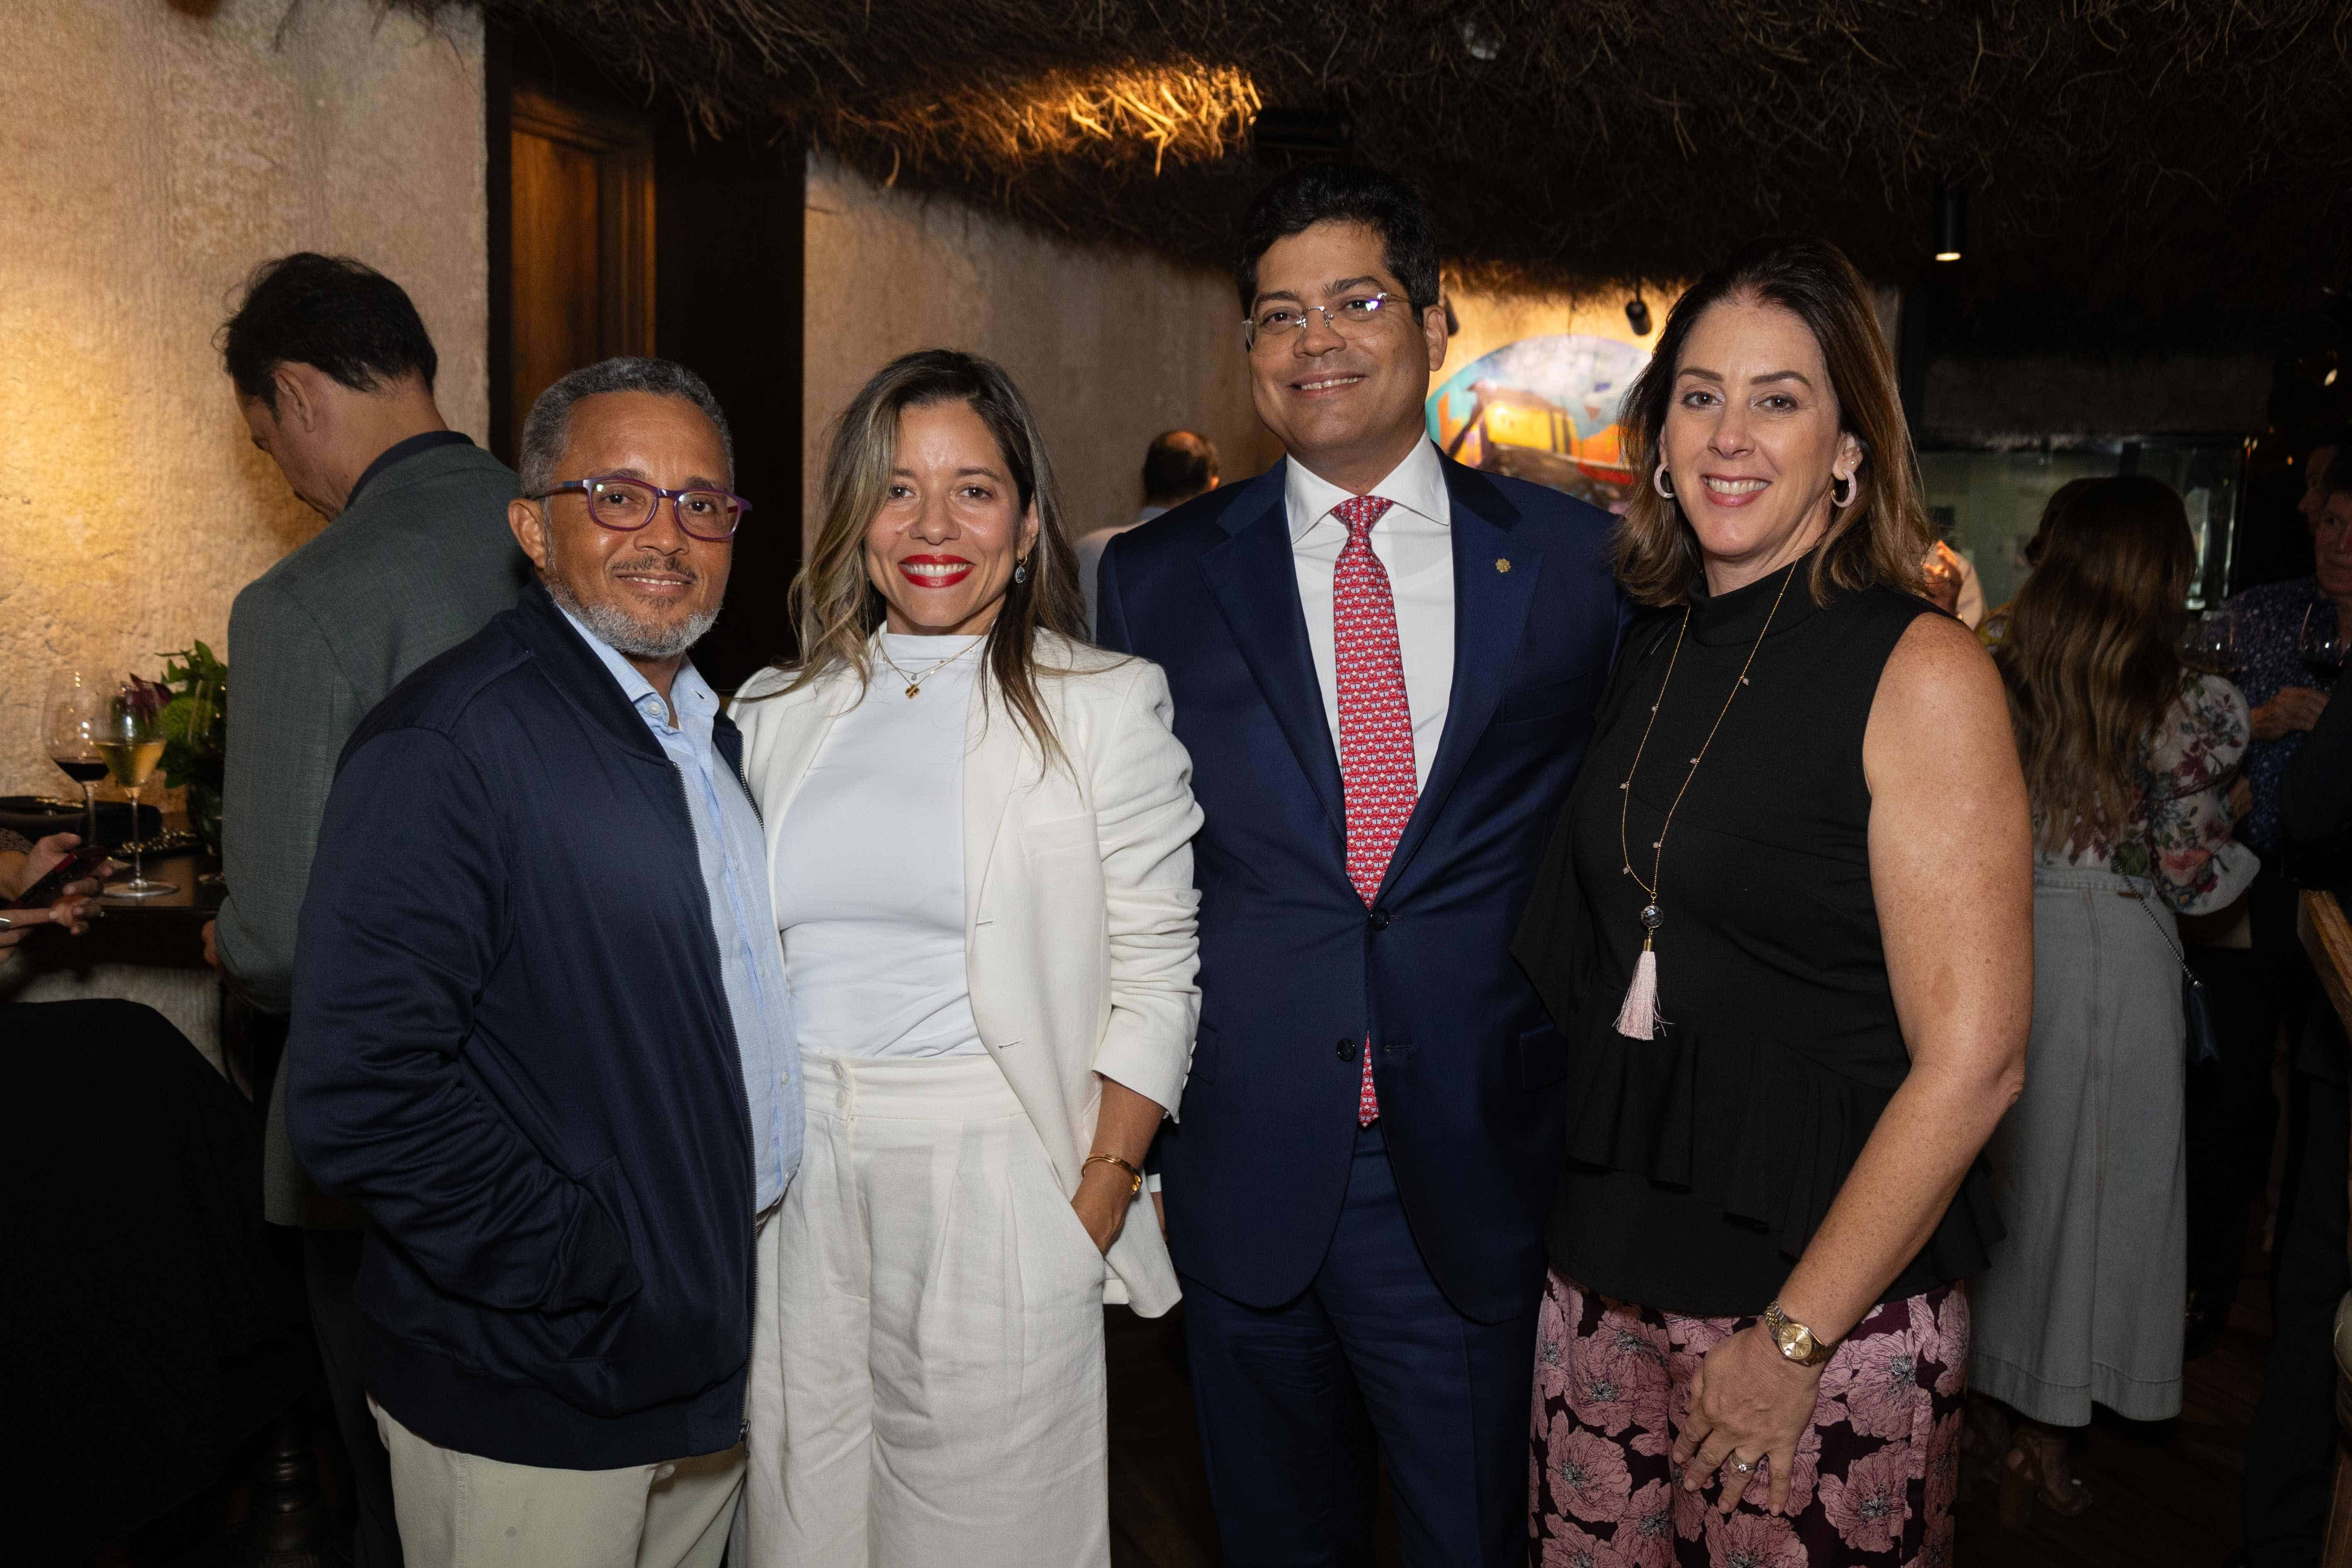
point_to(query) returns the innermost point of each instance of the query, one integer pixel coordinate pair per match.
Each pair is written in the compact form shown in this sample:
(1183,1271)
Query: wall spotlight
(1637,316)
(1952,221)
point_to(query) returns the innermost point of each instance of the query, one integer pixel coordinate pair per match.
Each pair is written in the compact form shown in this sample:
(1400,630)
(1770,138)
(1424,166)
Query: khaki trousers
(461,1510)
(927,1363)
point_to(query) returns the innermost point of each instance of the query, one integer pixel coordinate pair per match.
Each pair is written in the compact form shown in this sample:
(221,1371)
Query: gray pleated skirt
(2082,1300)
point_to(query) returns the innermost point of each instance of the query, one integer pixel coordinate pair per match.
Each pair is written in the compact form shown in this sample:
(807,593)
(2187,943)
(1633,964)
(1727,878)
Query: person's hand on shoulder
(1946,573)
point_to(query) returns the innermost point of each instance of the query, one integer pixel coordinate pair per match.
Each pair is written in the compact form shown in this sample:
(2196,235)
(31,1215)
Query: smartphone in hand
(49,888)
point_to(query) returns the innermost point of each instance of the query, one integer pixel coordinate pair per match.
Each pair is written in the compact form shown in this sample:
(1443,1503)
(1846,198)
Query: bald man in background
(1177,465)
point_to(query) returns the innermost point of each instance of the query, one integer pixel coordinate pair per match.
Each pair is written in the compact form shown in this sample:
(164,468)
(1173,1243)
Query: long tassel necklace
(1640,1018)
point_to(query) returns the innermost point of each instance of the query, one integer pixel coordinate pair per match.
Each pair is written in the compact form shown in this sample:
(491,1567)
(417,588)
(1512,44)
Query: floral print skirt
(1877,1473)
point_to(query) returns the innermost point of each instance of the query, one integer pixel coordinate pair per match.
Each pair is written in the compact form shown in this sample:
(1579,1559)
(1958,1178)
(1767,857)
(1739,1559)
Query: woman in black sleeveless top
(1786,926)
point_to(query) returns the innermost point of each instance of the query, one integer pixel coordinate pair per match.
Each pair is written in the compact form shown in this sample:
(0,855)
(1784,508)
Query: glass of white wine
(131,741)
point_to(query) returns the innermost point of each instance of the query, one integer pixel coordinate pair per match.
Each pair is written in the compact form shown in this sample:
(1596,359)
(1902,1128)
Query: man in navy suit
(1385,666)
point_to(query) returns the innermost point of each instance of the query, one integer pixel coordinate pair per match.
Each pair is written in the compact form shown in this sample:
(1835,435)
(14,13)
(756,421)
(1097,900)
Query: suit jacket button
(1378,920)
(1345,1050)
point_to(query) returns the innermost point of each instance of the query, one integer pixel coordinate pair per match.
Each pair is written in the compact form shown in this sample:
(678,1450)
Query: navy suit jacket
(1294,969)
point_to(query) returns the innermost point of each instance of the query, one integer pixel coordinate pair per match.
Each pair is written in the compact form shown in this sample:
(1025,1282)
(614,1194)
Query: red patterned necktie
(1376,771)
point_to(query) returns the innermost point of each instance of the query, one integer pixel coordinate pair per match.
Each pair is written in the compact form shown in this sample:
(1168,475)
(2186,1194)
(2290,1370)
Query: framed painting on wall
(1543,408)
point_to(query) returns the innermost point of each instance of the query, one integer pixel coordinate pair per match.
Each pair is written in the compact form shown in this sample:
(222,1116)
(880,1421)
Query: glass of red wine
(2212,641)
(2323,645)
(73,717)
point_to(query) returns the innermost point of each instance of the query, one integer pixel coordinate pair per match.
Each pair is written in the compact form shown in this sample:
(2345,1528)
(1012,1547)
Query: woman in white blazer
(979,839)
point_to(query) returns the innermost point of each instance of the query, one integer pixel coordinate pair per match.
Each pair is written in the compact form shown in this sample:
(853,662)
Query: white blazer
(1081,921)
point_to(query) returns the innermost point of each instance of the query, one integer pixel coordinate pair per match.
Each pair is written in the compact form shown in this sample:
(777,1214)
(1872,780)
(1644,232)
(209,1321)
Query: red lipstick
(934,571)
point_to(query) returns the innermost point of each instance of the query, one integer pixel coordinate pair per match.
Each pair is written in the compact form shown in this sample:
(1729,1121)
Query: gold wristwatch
(1795,1341)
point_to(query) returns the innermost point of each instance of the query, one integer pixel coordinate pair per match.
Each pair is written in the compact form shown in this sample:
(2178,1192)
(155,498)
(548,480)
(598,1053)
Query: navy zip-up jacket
(512,1045)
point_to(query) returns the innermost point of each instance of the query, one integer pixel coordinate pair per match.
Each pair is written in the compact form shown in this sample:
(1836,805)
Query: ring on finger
(1745,1466)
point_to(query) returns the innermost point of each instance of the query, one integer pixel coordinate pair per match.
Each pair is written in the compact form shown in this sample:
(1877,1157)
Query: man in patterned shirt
(2285,700)
(2288,1455)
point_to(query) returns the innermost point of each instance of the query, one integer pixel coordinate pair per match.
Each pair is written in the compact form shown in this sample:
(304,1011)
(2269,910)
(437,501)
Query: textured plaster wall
(1111,346)
(150,158)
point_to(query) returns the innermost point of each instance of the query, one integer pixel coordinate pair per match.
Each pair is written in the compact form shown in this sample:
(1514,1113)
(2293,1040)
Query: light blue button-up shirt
(734,854)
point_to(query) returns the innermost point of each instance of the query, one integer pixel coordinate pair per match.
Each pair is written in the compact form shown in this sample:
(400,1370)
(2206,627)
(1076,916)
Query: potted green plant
(195,736)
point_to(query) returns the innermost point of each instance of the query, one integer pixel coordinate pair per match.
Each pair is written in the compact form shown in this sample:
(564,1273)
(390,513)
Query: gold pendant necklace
(1640,1018)
(915,682)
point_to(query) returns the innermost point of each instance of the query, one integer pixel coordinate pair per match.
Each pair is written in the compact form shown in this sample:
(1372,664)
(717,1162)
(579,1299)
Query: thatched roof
(2162,153)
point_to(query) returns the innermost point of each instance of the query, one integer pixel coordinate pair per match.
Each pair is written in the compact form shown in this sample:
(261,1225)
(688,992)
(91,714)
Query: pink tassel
(1639,1018)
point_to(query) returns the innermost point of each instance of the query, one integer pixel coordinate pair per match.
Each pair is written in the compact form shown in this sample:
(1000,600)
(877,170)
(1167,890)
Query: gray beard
(615,628)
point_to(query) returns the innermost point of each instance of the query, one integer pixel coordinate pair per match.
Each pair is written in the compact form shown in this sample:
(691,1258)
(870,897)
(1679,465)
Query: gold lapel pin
(1502,563)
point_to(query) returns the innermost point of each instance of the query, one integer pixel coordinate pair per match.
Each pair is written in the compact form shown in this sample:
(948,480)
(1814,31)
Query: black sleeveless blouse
(1700,1163)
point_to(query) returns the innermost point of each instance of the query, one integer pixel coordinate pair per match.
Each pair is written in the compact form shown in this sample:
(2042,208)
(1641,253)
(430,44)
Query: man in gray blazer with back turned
(335,373)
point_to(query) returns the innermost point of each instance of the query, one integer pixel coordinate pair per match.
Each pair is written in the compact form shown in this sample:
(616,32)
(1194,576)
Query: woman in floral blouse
(2130,758)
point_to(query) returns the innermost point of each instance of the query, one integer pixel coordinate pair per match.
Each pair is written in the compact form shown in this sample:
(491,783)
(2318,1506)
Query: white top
(869,867)
(1081,950)
(1415,540)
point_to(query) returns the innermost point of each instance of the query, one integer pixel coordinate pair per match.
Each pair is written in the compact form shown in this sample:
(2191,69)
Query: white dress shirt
(1415,540)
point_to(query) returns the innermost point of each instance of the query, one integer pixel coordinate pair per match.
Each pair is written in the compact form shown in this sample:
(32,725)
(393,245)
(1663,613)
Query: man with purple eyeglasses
(540,1028)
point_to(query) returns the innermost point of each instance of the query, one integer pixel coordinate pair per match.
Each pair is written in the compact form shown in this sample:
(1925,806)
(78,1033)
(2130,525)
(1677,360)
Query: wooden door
(580,271)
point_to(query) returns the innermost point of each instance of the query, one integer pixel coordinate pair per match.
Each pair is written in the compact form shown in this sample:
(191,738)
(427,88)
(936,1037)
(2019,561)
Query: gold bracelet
(1115,1160)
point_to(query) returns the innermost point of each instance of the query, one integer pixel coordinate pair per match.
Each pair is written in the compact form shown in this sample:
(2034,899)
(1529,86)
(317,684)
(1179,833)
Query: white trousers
(461,1510)
(927,1362)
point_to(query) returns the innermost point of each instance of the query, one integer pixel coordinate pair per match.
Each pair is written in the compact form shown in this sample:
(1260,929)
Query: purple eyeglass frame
(586,486)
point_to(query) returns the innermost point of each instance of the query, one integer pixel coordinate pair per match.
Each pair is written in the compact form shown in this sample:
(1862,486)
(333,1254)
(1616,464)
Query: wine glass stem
(138,841)
(90,805)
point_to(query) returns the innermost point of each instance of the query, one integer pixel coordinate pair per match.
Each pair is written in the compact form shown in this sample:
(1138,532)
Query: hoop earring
(1021,571)
(1853,487)
(1661,483)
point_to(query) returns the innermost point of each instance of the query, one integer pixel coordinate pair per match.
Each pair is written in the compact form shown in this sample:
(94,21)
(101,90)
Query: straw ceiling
(2164,153)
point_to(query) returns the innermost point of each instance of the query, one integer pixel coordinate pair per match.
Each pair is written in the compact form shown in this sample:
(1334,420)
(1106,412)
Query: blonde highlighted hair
(2092,658)
(836,606)
(1879,541)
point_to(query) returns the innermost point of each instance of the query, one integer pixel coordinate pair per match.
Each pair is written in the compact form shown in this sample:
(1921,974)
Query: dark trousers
(2233,1116)
(2290,1456)
(330,1266)
(2273,906)
(1295,1399)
